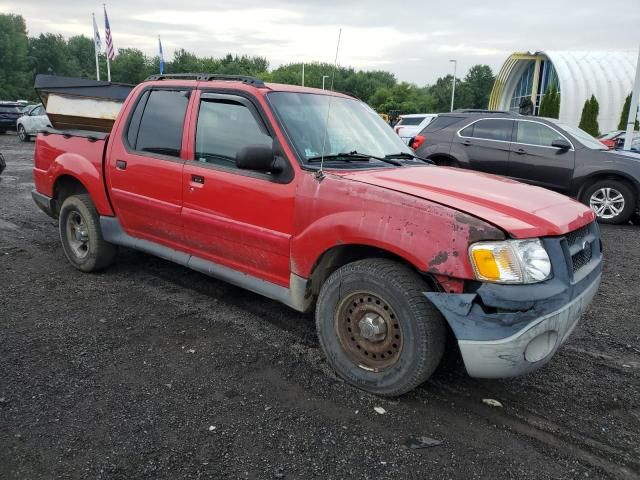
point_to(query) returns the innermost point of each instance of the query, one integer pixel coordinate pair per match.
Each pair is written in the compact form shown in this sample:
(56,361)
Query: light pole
(453,89)
(323,77)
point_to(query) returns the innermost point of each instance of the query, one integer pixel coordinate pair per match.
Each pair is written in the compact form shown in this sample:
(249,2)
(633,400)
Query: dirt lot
(150,370)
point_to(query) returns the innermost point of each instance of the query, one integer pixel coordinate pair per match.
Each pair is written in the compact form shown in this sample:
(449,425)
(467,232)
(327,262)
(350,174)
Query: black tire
(22,134)
(446,162)
(420,327)
(78,216)
(618,212)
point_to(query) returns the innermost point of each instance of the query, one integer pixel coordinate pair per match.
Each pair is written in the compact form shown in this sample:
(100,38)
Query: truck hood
(521,210)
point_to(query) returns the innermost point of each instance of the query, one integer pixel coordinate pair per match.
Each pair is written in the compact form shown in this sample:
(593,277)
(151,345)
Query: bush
(589,117)
(624,116)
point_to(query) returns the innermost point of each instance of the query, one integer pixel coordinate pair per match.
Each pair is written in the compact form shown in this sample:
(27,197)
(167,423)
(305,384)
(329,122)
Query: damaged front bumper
(510,330)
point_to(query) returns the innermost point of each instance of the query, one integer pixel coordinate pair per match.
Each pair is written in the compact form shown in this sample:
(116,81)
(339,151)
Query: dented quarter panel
(339,211)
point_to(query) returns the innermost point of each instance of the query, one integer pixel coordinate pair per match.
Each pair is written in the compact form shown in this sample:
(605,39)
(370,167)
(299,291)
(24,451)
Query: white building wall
(607,75)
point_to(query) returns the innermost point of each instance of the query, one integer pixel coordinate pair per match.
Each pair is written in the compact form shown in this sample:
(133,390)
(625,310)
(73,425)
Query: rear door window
(161,120)
(490,129)
(534,133)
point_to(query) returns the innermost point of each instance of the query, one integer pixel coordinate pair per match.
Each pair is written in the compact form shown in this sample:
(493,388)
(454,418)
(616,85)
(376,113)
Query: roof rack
(483,110)
(256,82)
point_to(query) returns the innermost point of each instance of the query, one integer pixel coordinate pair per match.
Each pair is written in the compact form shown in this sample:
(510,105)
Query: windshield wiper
(353,156)
(408,155)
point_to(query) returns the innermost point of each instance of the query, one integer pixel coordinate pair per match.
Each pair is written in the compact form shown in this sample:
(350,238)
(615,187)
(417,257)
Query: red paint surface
(426,215)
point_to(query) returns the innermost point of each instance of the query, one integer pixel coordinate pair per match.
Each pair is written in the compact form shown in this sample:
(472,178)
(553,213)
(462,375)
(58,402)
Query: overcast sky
(414,39)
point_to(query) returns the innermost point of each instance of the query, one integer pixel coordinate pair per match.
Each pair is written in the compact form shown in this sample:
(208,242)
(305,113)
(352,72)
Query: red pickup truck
(306,196)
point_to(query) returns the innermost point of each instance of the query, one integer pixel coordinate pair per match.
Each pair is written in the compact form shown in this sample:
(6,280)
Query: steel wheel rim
(607,202)
(22,133)
(77,234)
(369,331)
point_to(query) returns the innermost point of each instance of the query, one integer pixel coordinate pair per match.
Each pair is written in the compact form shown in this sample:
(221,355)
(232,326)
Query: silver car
(34,119)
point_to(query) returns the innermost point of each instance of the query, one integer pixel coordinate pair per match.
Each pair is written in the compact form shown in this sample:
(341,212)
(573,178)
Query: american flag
(111,51)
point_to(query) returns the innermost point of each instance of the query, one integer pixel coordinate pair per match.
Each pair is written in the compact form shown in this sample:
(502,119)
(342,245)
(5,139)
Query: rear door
(145,167)
(534,160)
(486,144)
(241,219)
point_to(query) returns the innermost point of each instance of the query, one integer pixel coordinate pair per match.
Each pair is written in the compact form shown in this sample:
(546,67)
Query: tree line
(22,57)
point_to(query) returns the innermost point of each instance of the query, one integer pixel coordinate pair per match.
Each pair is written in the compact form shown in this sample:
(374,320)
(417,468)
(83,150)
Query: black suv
(539,151)
(9,113)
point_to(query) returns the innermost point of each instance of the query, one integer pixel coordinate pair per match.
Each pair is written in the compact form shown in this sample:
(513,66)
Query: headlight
(510,261)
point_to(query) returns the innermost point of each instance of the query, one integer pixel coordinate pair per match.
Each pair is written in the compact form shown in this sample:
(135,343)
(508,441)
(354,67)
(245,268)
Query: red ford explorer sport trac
(306,196)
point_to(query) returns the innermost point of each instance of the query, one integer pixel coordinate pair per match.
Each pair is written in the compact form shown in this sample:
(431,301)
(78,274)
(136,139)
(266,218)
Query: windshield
(8,109)
(410,121)
(352,126)
(583,137)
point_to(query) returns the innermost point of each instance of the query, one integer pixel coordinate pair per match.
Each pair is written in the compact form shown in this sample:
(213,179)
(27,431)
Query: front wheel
(612,201)
(22,134)
(81,236)
(377,329)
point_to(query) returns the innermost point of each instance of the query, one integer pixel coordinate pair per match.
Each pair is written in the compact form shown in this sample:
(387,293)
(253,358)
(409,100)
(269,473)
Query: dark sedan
(539,151)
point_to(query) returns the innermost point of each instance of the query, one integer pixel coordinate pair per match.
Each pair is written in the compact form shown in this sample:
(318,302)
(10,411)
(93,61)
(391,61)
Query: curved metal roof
(607,75)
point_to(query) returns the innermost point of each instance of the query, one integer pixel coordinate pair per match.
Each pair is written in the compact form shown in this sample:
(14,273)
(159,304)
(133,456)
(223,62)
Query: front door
(241,219)
(533,159)
(486,144)
(145,167)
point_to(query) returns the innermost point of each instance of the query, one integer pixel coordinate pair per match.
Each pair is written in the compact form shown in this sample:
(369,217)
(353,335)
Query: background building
(576,75)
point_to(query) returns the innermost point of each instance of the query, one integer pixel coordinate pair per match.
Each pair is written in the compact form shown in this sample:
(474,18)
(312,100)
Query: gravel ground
(150,370)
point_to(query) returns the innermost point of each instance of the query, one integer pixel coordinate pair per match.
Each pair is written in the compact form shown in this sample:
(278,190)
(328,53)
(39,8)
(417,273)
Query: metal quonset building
(576,75)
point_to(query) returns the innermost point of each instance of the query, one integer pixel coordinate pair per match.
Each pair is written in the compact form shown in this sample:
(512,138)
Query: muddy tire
(377,329)
(612,201)
(81,236)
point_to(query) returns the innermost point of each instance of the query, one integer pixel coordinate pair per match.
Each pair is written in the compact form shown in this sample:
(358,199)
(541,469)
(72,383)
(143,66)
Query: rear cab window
(156,124)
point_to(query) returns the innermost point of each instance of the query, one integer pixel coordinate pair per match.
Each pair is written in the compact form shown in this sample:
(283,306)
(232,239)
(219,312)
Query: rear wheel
(377,329)
(81,235)
(612,201)
(22,134)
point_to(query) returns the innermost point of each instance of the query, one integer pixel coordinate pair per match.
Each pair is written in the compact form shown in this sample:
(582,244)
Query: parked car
(33,120)
(410,125)
(254,184)
(539,151)
(613,139)
(9,113)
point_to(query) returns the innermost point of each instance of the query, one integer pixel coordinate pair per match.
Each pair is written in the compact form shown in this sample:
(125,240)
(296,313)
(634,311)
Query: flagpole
(104,6)
(95,47)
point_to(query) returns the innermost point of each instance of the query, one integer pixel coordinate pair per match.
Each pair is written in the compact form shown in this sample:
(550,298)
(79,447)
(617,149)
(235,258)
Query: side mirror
(259,158)
(561,144)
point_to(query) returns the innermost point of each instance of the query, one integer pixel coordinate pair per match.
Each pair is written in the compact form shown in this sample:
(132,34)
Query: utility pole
(323,77)
(453,88)
(633,108)
(303,74)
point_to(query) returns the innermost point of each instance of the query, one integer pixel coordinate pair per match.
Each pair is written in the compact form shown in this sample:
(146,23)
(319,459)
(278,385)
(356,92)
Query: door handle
(197,179)
(520,151)
(466,143)
(121,165)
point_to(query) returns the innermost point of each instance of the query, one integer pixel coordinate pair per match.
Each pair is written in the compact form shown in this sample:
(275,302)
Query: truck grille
(581,247)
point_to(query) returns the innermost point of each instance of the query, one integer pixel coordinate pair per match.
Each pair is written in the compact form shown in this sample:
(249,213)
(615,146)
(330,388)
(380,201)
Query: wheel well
(444,160)
(607,176)
(65,186)
(341,255)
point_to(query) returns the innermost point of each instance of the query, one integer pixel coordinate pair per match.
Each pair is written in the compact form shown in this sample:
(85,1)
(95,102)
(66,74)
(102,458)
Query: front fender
(336,211)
